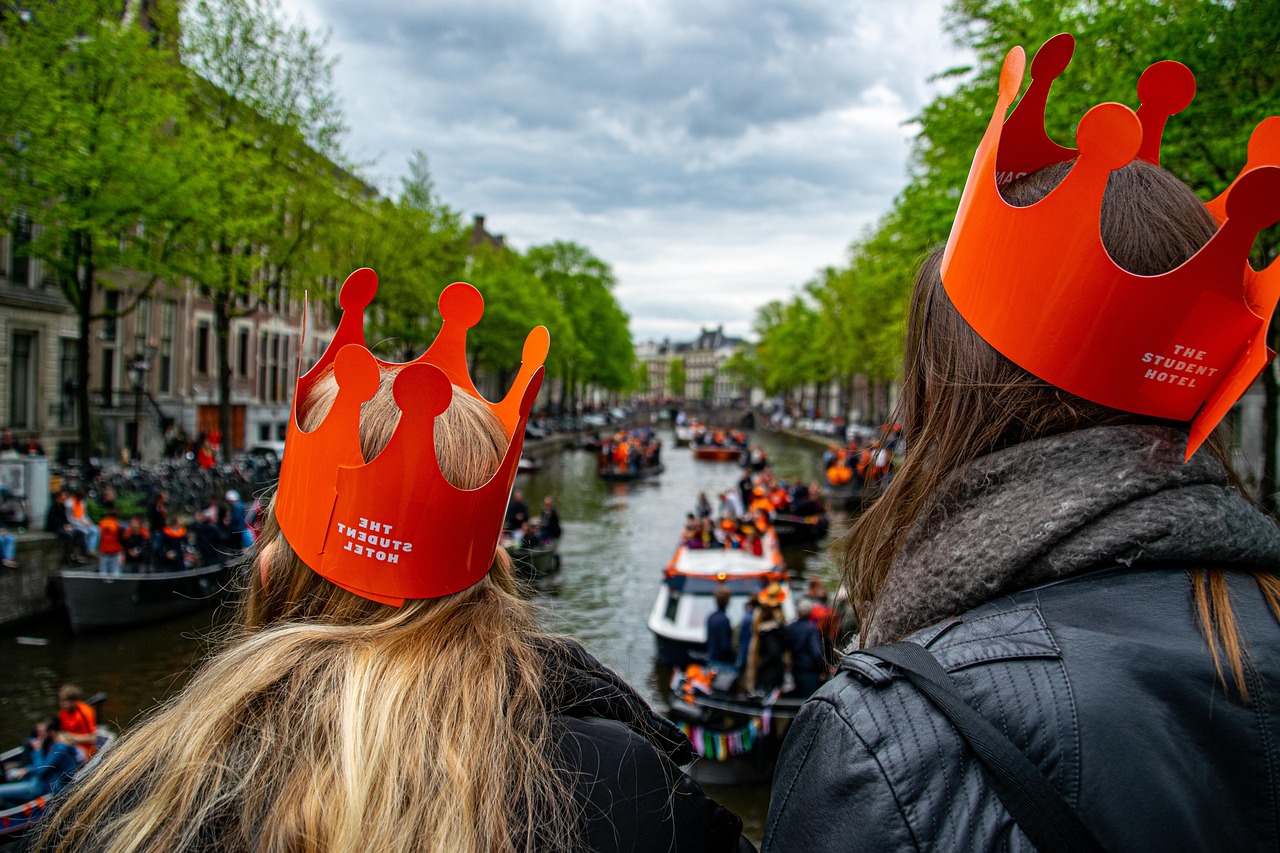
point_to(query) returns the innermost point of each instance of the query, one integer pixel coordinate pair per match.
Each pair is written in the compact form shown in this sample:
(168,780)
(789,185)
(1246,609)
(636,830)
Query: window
(168,331)
(19,247)
(264,432)
(202,348)
(141,326)
(262,367)
(22,379)
(242,347)
(111,324)
(275,374)
(68,361)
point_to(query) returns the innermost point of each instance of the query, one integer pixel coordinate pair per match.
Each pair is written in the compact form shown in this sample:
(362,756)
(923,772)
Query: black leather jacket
(1105,682)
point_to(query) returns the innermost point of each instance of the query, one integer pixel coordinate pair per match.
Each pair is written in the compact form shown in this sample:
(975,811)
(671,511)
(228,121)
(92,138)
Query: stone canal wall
(24,590)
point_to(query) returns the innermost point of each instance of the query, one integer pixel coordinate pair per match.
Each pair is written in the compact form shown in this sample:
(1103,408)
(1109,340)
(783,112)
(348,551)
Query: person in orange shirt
(110,549)
(78,720)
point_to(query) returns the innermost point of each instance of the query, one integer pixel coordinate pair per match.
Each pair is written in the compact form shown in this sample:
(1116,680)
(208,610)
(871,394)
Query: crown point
(1015,64)
(423,388)
(1109,134)
(462,304)
(358,290)
(536,346)
(357,372)
(1252,201)
(1168,86)
(1053,57)
(1264,142)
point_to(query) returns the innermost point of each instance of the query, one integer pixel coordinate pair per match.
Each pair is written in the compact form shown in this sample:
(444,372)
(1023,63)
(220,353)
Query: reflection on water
(617,539)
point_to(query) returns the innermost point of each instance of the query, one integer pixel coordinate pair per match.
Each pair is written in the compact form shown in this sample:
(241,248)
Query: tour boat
(686,596)
(96,601)
(684,435)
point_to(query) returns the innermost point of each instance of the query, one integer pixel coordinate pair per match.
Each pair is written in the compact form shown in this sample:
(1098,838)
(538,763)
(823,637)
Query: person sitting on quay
(8,549)
(77,505)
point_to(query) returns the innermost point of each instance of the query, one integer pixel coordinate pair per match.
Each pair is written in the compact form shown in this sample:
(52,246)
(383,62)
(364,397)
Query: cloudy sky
(716,153)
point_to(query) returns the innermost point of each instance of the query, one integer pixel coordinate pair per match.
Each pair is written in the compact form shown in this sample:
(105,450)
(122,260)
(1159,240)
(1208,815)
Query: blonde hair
(331,722)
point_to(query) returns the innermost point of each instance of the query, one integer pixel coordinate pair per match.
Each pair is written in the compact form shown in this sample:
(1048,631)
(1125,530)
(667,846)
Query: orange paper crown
(395,528)
(1037,284)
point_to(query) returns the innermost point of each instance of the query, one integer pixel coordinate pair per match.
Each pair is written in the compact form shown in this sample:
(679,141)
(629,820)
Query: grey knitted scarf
(1063,505)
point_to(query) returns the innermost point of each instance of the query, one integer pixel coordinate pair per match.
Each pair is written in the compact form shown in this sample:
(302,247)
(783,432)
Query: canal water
(617,539)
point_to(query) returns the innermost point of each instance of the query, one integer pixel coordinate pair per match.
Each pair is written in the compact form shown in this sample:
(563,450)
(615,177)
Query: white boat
(686,596)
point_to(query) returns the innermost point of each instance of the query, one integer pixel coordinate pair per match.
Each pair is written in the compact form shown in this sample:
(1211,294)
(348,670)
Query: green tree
(96,153)
(270,157)
(598,350)
(677,378)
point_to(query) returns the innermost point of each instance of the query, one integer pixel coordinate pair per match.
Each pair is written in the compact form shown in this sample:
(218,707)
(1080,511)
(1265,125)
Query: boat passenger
(343,718)
(110,550)
(137,545)
(719,632)
(171,551)
(517,511)
(703,508)
(745,632)
(77,720)
(48,763)
(549,524)
(1087,577)
(766,668)
(808,659)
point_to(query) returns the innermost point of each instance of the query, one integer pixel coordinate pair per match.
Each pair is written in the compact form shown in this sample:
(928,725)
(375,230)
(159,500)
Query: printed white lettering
(393,558)
(1147,358)
(408,546)
(364,522)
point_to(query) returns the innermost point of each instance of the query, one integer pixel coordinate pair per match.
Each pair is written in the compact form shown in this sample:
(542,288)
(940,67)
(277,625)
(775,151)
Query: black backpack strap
(1038,809)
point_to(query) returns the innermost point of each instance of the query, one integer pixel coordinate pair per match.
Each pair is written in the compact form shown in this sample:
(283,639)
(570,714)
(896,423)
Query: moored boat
(686,596)
(626,474)
(95,601)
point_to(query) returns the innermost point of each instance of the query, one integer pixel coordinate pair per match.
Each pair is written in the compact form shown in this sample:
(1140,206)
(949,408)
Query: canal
(617,539)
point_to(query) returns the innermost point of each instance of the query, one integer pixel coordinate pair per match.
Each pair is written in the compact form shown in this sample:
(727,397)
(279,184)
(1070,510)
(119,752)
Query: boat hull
(627,476)
(534,563)
(800,530)
(717,454)
(97,602)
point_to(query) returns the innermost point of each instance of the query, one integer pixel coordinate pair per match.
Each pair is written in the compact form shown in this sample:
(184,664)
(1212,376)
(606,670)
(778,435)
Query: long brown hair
(331,722)
(961,399)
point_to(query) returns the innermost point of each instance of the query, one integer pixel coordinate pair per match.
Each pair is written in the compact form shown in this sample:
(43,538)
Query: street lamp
(138,367)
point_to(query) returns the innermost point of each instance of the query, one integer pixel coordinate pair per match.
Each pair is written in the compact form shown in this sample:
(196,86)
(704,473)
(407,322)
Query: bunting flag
(718,745)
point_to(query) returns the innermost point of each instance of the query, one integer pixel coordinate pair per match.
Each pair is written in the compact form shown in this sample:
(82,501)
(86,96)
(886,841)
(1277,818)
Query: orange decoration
(1037,284)
(395,528)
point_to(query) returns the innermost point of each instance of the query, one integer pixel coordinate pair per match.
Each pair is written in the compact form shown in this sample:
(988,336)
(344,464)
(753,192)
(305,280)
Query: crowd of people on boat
(630,451)
(712,436)
(866,459)
(160,540)
(770,656)
(530,534)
